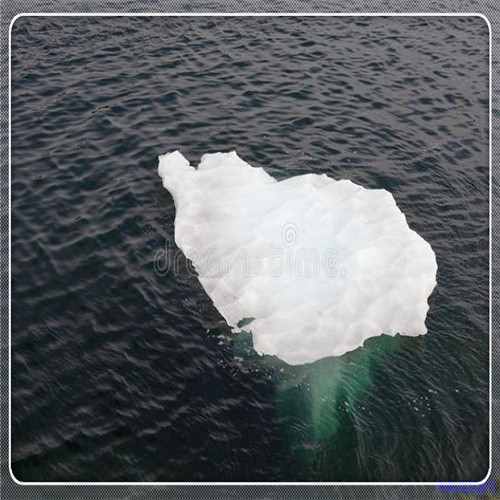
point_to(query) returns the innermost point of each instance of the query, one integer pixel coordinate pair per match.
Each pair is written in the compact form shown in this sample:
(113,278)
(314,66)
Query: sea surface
(122,369)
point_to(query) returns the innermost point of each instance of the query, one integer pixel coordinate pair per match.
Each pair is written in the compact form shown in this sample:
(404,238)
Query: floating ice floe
(312,266)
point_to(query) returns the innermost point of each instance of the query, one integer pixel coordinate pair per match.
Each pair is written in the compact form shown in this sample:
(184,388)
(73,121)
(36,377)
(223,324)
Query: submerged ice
(312,266)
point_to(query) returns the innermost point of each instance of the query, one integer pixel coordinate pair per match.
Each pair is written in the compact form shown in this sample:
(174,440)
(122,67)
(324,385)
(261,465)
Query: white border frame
(263,14)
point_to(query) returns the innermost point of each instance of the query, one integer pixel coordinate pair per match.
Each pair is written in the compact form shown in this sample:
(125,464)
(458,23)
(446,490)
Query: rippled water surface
(122,370)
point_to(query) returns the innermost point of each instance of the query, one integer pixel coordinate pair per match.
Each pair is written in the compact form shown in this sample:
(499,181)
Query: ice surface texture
(319,264)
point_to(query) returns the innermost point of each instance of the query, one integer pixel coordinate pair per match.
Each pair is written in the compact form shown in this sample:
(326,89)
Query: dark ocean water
(122,370)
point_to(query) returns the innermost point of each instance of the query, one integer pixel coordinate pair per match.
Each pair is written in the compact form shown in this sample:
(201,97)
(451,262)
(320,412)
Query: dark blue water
(122,370)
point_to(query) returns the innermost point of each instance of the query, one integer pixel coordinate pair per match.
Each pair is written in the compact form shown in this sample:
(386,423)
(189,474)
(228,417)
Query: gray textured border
(11,490)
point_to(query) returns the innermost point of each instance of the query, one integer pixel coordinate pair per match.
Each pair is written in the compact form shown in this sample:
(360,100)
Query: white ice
(319,264)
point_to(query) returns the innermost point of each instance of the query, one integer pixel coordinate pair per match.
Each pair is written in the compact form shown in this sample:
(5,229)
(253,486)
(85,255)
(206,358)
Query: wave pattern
(122,369)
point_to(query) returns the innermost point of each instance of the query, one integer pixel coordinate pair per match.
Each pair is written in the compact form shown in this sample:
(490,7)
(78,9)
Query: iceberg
(312,266)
